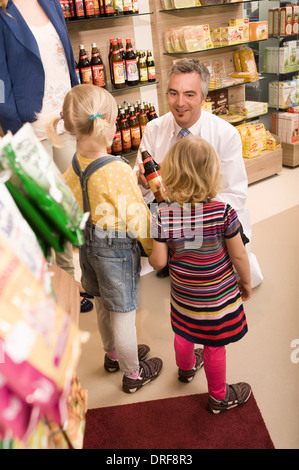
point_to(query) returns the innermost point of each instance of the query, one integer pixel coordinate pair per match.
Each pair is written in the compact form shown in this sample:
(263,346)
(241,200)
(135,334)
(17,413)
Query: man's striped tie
(184,133)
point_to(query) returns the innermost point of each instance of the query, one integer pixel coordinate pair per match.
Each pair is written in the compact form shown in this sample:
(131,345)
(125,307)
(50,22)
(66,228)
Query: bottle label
(118,72)
(155,182)
(148,159)
(118,6)
(126,138)
(116,144)
(143,75)
(86,75)
(151,72)
(127,5)
(79,8)
(135,6)
(98,75)
(96,7)
(142,128)
(109,7)
(89,8)
(132,70)
(135,133)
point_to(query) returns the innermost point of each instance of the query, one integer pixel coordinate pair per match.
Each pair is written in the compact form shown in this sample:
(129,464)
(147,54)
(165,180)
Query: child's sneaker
(236,395)
(113,366)
(149,370)
(188,375)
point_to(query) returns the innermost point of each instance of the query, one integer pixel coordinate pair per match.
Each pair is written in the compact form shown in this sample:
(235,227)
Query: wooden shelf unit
(290,156)
(267,164)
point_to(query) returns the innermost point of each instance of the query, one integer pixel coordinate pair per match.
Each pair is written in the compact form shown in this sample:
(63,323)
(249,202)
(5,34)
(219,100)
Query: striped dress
(206,306)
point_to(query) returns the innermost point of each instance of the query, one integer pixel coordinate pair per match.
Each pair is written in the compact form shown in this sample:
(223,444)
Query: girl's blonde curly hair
(190,171)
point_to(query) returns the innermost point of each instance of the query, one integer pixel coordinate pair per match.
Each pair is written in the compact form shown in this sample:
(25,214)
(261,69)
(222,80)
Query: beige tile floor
(263,357)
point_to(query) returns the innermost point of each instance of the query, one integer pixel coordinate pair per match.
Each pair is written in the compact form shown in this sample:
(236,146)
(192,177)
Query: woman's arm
(159,257)
(239,258)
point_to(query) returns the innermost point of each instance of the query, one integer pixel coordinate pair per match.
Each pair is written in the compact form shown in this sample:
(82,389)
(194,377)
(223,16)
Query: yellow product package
(192,38)
(242,128)
(253,142)
(272,142)
(247,60)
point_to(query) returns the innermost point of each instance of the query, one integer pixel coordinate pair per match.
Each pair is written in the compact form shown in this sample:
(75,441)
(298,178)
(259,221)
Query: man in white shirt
(187,91)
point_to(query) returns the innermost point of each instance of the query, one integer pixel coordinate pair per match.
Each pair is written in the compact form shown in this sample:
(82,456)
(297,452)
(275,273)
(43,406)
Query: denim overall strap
(83,177)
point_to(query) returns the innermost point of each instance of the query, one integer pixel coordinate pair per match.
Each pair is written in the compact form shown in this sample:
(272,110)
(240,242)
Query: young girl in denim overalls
(106,187)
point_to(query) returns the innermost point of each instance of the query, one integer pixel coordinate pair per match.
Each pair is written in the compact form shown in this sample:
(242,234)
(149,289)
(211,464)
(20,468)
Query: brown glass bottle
(131,64)
(117,143)
(97,67)
(84,67)
(72,10)
(102,9)
(146,108)
(135,129)
(152,174)
(125,132)
(152,112)
(143,120)
(151,70)
(122,51)
(117,66)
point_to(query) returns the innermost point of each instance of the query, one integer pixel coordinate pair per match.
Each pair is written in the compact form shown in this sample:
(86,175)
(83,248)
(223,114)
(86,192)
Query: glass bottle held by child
(152,174)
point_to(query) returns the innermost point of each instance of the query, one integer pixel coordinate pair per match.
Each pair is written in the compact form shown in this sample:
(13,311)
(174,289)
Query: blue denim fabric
(110,264)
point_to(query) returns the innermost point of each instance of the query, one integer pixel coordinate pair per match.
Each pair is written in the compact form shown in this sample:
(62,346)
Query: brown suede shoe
(236,395)
(113,366)
(149,370)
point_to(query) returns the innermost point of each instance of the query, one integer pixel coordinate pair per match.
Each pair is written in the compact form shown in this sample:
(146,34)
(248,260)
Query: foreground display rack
(42,404)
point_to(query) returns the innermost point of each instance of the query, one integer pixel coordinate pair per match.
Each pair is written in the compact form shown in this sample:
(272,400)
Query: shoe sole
(229,407)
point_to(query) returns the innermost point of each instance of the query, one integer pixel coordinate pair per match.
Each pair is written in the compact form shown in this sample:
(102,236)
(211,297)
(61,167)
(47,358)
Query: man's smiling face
(185,98)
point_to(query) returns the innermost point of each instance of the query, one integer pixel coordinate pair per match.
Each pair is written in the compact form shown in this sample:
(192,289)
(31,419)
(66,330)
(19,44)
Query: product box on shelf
(231,35)
(286,126)
(286,21)
(248,109)
(219,101)
(295,19)
(283,94)
(258,30)
(281,59)
(244,23)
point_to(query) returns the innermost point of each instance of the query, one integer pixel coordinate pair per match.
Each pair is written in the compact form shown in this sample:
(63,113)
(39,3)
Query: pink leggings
(214,359)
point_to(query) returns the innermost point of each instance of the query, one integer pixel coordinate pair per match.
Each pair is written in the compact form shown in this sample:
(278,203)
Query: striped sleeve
(157,232)
(231,222)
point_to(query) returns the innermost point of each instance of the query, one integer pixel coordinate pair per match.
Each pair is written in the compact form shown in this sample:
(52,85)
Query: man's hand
(141,178)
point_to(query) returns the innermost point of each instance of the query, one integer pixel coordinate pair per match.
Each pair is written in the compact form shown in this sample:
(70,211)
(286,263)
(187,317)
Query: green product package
(45,234)
(36,177)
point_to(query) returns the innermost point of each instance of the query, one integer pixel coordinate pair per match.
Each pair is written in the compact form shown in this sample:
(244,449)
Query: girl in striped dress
(199,237)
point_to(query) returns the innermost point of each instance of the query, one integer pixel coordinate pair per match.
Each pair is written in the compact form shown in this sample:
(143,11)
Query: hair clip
(94,116)
(61,115)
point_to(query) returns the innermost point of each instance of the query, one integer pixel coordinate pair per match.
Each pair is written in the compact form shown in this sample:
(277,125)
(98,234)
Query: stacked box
(286,126)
